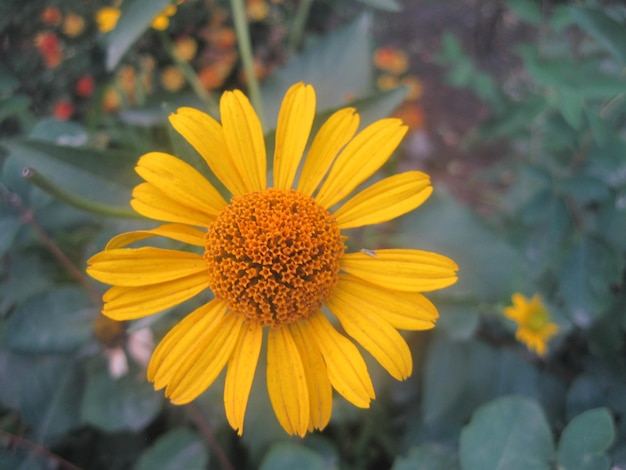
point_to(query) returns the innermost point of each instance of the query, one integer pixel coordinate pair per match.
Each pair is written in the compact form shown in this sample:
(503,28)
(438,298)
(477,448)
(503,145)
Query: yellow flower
(273,257)
(73,25)
(107,18)
(533,320)
(162,20)
(172,78)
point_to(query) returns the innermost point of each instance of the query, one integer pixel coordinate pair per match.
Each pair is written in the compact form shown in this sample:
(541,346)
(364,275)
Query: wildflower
(386,82)
(212,76)
(51,16)
(172,79)
(111,100)
(73,25)
(273,257)
(63,110)
(534,328)
(84,86)
(185,48)
(411,114)
(391,60)
(162,20)
(107,18)
(50,49)
(257,10)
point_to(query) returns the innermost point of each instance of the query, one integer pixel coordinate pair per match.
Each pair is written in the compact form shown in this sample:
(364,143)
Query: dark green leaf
(135,19)
(13,105)
(288,456)
(45,389)
(601,129)
(27,276)
(178,449)
(427,456)
(99,176)
(608,32)
(587,275)
(129,403)
(528,10)
(345,52)
(571,105)
(586,190)
(584,393)
(56,321)
(9,226)
(510,433)
(585,440)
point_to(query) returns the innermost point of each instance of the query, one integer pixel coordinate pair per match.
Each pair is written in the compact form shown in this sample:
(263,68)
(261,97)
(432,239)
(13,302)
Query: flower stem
(38,449)
(245,50)
(196,415)
(75,201)
(297,27)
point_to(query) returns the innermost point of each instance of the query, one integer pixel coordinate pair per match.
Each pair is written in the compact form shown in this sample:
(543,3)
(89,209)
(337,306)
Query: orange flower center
(274,256)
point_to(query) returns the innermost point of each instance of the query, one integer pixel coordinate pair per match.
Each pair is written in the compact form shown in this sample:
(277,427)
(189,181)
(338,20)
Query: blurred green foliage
(478,399)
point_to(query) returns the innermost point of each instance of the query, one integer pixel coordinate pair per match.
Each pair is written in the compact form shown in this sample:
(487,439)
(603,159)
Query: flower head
(534,328)
(107,18)
(273,257)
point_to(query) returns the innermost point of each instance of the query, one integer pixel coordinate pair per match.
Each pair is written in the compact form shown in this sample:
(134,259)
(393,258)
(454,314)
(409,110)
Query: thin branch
(38,449)
(198,418)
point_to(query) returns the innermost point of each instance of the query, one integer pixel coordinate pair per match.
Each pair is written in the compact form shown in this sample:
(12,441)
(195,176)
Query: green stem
(299,22)
(191,76)
(75,201)
(245,50)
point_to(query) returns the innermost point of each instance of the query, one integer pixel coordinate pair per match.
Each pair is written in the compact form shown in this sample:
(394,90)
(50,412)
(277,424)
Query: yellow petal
(292,133)
(205,135)
(244,138)
(286,382)
(180,182)
(176,344)
(144,266)
(178,232)
(404,310)
(346,368)
(196,371)
(129,303)
(375,334)
(363,155)
(336,132)
(385,200)
(320,390)
(240,374)
(155,204)
(403,270)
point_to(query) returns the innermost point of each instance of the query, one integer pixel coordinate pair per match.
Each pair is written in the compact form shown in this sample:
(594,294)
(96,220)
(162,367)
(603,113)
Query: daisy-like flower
(273,257)
(534,327)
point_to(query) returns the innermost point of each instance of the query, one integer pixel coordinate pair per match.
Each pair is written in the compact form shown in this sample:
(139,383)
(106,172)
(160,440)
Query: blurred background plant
(517,110)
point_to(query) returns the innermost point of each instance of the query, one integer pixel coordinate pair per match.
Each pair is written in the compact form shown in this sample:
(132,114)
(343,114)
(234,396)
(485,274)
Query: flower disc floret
(273,256)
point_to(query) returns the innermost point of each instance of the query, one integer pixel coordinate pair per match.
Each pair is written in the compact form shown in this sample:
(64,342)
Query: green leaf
(27,276)
(604,29)
(584,393)
(585,440)
(528,10)
(571,105)
(56,321)
(95,175)
(428,456)
(489,271)
(288,456)
(602,131)
(345,53)
(510,433)
(59,132)
(126,404)
(9,227)
(44,389)
(13,105)
(585,190)
(178,449)
(586,278)
(458,321)
(135,19)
